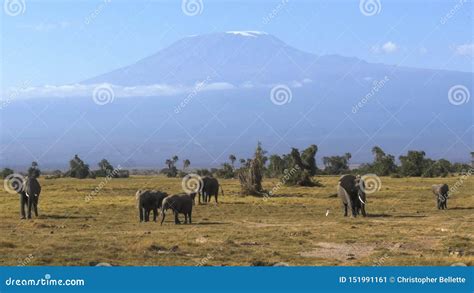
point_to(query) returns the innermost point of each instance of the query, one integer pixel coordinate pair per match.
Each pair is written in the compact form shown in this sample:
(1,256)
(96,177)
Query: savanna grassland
(299,226)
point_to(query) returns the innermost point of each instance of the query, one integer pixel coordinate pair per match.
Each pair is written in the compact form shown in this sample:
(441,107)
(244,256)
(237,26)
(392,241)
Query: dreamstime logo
(192,7)
(288,174)
(370,7)
(274,13)
(451,13)
(197,88)
(98,10)
(103,94)
(280,95)
(377,86)
(372,183)
(459,95)
(14,7)
(13,183)
(191,183)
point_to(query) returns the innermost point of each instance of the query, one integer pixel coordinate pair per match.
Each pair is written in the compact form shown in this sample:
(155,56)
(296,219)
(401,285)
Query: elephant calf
(441,191)
(149,200)
(179,204)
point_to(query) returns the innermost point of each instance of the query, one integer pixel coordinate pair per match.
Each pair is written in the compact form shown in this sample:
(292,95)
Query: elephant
(210,187)
(179,204)
(350,190)
(441,191)
(149,200)
(29,196)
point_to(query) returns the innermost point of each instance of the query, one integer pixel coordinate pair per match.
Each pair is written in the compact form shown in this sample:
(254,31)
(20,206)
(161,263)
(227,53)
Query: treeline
(301,165)
(77,169)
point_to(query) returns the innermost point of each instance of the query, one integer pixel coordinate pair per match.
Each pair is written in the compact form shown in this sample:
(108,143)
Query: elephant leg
(362,209)
(190,221)
(215,195)
(147,215)
(176,218)
(155,214)
(185,218)
(163,217)
(199,197)
(36,206)
(23,203)
(140,213)
(30,205)
(353,209)
(345,210)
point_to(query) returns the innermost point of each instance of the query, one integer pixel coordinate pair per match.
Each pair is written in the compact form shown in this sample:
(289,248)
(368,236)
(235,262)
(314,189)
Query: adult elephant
(350,190)
(441,191)
(29,196)
(149,200)
(179,204)
(210,187)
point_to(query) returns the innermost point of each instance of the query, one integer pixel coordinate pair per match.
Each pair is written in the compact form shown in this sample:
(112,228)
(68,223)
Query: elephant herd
(350,190)
(157,201)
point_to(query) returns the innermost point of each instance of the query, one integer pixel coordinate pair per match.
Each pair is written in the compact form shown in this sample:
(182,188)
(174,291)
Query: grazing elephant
(149,200)
(179,204)
(29,196)
(210,187)
(442,192)
(350,190)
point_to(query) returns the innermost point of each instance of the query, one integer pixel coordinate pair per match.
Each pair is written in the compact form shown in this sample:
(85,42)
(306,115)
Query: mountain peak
(252,34)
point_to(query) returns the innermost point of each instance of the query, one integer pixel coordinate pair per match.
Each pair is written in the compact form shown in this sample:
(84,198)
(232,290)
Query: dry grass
(404,227)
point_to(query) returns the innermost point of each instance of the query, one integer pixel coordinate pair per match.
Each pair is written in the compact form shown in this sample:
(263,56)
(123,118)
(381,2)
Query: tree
(34,171)
(227,171)
(186,164)
(383,164)
(172,171)
(105,169)
(412,164)
(77,168)
(6,171)
(337,165)
(251,176)
(232,159)
(276,166)
(309,160)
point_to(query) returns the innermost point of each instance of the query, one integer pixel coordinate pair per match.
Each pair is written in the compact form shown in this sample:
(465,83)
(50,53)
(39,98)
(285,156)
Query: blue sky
(61,42)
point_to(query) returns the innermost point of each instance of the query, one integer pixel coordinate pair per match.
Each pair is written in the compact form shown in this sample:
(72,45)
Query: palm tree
(169,163)
(232,159)
(186,164)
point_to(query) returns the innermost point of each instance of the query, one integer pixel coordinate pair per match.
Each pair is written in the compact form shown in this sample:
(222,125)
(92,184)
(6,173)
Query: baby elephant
(149,200)
(441,191)
(179,204)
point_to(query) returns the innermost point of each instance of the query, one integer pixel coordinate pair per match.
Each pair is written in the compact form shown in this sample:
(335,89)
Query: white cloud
(45,27)
(154,90)
(387,48)
(465,50)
